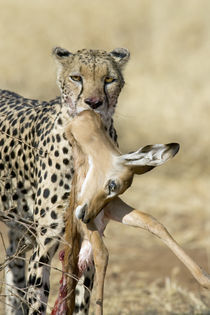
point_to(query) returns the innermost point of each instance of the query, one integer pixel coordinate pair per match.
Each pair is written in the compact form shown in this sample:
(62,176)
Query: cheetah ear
(61,54)
(120,56)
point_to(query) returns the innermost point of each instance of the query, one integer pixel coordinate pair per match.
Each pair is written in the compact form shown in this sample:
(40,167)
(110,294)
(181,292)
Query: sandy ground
(166,98)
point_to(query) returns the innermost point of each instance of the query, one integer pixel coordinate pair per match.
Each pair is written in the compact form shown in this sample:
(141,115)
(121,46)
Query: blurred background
(166,99)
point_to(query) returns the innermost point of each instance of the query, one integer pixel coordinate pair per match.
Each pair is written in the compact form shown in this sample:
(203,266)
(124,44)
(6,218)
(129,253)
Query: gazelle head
(102,171)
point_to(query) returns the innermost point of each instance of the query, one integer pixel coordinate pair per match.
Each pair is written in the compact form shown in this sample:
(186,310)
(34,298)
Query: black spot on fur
(43,260)
(38,282)
(53,225)
(7,186)
(82,306)
(47,240)
(42,212)
(41,308)
(54,178)
(53,215)
(87,282)
(65,150)
(43,230)
(46,193)
(65,161)
(76,308)
(57,166)
(54,199)
(31,280)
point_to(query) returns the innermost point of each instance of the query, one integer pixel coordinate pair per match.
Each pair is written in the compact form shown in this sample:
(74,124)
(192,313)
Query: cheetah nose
(94,102)
(80,212)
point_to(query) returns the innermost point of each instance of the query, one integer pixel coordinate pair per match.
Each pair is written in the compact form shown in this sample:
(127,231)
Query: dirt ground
(166,98)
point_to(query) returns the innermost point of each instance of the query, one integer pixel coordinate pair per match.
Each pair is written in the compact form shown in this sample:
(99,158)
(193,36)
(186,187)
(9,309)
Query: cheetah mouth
(96,106)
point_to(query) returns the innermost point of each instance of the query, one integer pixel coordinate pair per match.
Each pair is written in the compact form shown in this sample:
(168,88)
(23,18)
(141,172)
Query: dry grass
(166,98)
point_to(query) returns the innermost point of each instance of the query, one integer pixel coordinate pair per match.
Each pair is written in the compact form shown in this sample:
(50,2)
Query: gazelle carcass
(103,174)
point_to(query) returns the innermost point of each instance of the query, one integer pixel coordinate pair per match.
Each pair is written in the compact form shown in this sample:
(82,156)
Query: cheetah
(37,167)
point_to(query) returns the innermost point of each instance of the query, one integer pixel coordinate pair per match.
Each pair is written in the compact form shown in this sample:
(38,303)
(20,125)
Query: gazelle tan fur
(103,174)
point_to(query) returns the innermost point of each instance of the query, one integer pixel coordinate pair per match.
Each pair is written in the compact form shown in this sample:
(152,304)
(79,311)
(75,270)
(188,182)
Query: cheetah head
(90,79)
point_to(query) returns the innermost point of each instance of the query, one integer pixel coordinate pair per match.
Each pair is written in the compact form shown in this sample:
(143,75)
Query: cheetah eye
(109,80)
(76,78)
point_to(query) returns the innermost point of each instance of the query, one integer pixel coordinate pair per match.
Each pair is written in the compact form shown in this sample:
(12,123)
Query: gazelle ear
(150,156)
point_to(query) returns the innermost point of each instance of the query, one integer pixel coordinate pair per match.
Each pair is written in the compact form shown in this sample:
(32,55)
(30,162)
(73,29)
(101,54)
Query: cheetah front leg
(39,274)
(119,211)
(15,277)
(50,229)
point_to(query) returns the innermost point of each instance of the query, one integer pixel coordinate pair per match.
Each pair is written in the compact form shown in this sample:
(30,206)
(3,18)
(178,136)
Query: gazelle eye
(109,80)
(112,186)
(76,78)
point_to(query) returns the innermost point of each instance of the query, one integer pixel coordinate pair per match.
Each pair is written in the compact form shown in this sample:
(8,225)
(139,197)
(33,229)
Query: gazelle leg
(119,211)
(100,257)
